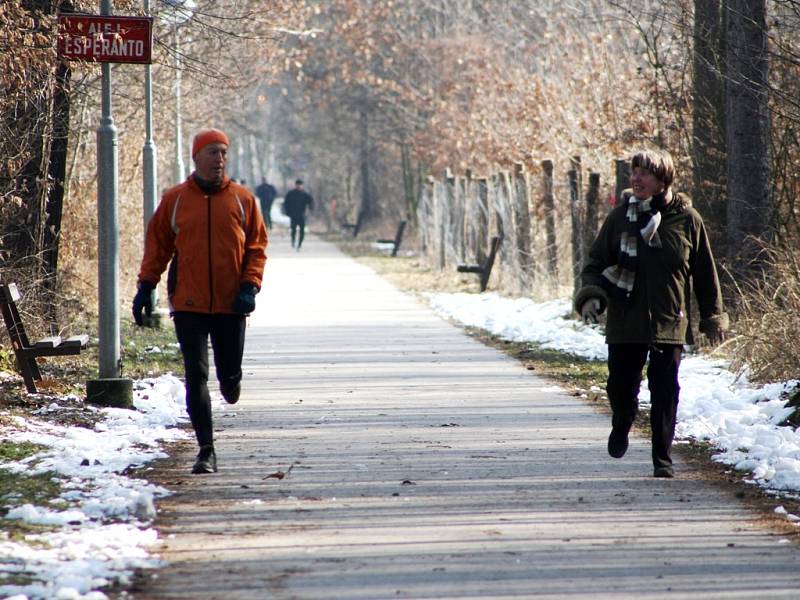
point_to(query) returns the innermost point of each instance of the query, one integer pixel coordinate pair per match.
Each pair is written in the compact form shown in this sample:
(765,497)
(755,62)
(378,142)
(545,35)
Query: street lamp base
(116,392)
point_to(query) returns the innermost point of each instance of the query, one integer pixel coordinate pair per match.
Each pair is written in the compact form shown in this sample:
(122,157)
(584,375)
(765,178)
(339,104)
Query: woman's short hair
(658,162)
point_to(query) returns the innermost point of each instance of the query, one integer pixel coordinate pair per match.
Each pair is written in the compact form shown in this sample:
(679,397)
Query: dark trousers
(298,223)
(227,341)
(266,212)
(625,364)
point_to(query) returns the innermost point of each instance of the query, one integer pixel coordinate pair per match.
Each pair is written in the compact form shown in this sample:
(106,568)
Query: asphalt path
(380,452)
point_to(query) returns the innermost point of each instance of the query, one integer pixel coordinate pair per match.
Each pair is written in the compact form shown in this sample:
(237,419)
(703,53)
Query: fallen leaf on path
(279,474)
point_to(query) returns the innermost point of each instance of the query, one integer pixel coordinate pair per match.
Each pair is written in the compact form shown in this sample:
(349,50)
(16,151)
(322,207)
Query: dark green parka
(659,309)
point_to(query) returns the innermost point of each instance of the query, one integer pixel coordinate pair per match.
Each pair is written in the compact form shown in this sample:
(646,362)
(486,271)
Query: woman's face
(645,184)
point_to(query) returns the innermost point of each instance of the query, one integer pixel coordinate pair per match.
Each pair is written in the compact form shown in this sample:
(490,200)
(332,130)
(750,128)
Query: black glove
(245,301)
(590,311)
(715,328)
(716,337)
(143,300)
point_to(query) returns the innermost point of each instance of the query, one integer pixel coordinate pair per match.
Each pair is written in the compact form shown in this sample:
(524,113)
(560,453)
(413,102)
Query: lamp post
(149,152)
(110,388)
(180,167)
(182,12)
(108,251)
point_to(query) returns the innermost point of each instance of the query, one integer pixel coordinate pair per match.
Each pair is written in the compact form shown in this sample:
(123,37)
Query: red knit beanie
(206,137)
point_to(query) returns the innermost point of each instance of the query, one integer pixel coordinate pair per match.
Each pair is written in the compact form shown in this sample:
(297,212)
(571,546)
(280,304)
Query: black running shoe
(618,442)
(206,461)
(231,394)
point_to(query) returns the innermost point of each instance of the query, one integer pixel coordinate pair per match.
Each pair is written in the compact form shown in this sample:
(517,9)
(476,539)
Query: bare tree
(708,117)
(748,132)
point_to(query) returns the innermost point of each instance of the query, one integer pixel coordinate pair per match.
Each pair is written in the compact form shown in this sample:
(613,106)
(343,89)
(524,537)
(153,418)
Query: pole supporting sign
(99,38)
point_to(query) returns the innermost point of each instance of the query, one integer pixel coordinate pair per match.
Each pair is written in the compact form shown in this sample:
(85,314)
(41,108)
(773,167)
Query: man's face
(210,162)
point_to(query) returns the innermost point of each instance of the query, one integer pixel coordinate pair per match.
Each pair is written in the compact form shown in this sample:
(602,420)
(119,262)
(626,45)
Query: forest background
(365,99)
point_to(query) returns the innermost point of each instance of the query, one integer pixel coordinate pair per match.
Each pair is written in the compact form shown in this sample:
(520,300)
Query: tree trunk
(708,143)
(366,197)
(749,206)
(57,174)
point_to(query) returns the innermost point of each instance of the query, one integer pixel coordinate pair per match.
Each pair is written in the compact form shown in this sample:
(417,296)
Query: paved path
(422,464)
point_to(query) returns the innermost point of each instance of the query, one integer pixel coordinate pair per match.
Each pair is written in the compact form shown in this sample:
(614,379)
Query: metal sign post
(107,39)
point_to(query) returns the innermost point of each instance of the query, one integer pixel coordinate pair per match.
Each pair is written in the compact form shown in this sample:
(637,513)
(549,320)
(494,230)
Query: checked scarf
(643,218)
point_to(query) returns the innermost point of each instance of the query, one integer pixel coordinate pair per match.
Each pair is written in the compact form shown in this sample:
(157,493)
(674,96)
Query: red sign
(100,38)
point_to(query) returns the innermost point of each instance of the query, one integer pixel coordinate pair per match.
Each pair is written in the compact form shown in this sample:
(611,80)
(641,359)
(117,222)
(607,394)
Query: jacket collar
(206,187)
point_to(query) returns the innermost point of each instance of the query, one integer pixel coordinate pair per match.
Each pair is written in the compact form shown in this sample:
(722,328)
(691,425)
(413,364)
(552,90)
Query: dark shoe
(665,472)
(231,394)
(206,461)
(618,442)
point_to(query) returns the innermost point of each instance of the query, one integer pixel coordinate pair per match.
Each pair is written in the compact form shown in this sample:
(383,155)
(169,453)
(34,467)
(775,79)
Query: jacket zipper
(210,275)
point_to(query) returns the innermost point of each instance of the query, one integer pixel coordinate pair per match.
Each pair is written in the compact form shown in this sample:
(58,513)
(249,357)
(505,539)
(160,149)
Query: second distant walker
(295,203)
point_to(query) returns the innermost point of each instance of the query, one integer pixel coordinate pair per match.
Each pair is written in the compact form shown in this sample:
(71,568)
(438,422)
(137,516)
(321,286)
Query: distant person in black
(294,205)
(266,193)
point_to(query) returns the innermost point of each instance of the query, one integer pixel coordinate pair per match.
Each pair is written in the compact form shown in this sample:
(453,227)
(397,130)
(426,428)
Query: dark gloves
(143,300)
(715,328)
(590,302)
(716,336)
(590,311)
(245,301)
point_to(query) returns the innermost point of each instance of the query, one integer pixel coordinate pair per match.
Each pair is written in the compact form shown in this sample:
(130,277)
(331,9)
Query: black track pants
(227,341)
(298,223)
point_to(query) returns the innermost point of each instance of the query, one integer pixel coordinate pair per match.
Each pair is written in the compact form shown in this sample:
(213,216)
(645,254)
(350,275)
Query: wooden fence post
(454,216)
(577,230)
(483,219)
(548,201)
(522,222)
(623,178)
(460,225)
(425,212)
(440,221)
(469,224)
(575,163)
(496,219)
(590,215)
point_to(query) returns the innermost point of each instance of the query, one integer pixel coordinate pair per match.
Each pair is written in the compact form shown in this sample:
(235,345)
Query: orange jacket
(216,243)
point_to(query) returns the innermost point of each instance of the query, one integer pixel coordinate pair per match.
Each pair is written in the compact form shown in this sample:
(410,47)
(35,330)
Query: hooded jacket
(216,241)
(659,309)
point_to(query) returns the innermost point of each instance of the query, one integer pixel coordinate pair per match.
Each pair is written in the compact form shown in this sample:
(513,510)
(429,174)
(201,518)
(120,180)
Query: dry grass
(767,323)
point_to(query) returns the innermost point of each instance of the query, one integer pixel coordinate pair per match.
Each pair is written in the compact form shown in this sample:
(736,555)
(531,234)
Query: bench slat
(76,340)
(10,292)
(469,268)
(48,342)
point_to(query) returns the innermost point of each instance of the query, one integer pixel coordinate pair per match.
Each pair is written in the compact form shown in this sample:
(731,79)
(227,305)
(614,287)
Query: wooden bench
(355,227)
(398,238)
(26,352)
(484,270)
